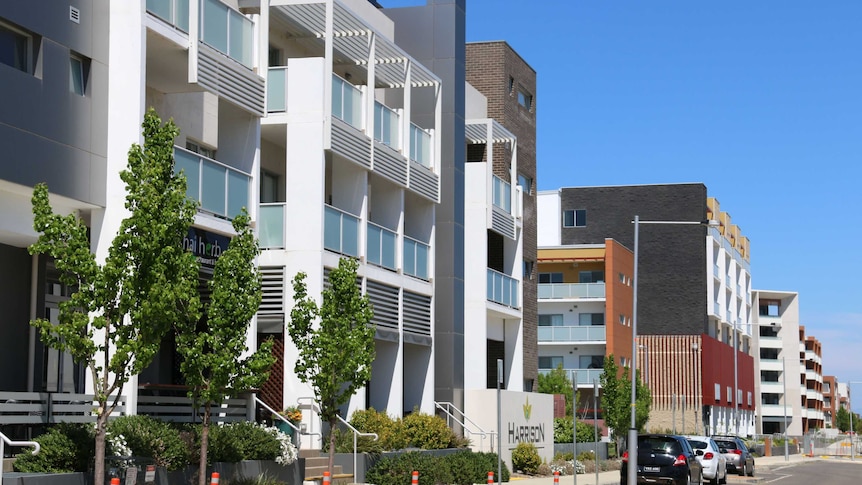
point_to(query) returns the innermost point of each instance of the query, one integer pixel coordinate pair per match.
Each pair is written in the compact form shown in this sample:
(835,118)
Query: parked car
(664,458)
(713,461)
(739,458)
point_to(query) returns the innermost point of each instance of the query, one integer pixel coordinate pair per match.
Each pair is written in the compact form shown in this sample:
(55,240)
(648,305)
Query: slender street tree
(215,358)
(616,400)
(119,310)
(335,341)
(557,382)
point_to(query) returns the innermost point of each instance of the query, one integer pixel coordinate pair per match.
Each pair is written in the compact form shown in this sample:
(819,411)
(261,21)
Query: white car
(708,454)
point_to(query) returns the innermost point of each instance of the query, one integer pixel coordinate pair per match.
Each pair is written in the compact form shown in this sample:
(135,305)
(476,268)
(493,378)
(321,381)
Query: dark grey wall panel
(15,266)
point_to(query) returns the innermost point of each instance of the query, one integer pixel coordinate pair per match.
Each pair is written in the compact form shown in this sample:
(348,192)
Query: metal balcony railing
(420,145)
(415,258)
(502,289)
(386,123)
(221,190)
(346,102)
(340,231)
(381,244)
(271,225)
(276,89)
(581,333)
(571,290)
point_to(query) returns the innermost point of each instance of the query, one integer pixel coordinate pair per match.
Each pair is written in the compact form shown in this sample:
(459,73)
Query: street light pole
(633,431)
(784,374)
(852,428)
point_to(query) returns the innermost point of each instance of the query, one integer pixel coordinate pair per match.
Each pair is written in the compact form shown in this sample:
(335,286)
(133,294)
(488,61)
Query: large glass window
(526,183)
(591,361)
(770,308)
(587,319)
(591,276)
(550,362)
(77,75)
(550,320)
(15,48)
(550,277)
(575,218)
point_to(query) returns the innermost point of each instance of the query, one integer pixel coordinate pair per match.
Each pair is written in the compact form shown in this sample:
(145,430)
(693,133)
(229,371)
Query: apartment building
(694,295)
(778,365)
(830,401)
(811,382)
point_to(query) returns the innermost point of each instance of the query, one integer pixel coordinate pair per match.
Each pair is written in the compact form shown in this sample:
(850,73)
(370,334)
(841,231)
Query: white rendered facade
(777,362)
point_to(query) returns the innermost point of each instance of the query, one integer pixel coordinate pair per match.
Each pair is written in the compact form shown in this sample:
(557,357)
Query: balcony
(381,246)
(227,31)
(571,290)
(501,194)
(271,225)
(582,333)
(420,146)
(221,190)
(416,258)
(347,102)
(386,123)
(276,90)
(340,231)
(585,377)
(503,289)
(716,272)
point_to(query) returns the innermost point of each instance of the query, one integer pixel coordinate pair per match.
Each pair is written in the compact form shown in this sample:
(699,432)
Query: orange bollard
(115,481)
(415,480)
(326,478)
(490,478)
(214,479)
(556,478)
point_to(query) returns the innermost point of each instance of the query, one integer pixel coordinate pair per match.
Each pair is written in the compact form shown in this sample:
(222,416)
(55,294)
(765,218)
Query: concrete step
(316,461)
(317,471)
(308,453)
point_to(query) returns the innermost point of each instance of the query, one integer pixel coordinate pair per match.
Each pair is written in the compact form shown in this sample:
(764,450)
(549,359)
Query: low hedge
(461,468)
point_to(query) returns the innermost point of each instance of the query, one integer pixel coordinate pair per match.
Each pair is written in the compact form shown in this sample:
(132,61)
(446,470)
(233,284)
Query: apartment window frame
(79,71)
(591,276)
(551,361)
(22,42)
(595,319)
(200,148)
(525,98)
(526,184)
(551,320)
(575,218)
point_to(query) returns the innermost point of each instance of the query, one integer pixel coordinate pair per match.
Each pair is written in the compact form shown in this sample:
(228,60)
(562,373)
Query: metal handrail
(4,440)
(298,430)
(481,432)
(356,433)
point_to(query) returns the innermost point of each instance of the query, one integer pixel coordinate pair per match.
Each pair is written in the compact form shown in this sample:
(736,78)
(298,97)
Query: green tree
(212,349)
(842,420)
(557,382)
(335,341)
(119,310)
(616,400)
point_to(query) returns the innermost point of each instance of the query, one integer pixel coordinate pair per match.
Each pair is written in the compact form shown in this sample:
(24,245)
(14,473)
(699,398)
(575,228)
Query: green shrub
(465,468)
(242,441)
(563,431)
(148,437)
(397,470)
(586,456)
(427,431)
(390,431)
(525,457)
(64,448)
(488,463)
(564,456)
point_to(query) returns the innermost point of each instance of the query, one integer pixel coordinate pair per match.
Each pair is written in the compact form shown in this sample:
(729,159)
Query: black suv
(738,456)
(664,458)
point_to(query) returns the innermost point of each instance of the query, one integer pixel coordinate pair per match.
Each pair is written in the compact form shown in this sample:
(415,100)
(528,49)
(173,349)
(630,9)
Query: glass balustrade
(571,290)
(220,189)
(386,122)
(381,246)
(584,377)
(340,231)
(276,89)
(227,31)
(346,102)
(420,145)
(416,258)
(502,289)
(501,194)
(174,12)
(582,333)
(271,225)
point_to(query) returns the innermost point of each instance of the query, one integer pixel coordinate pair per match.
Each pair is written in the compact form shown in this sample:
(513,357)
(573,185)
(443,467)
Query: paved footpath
(613,477)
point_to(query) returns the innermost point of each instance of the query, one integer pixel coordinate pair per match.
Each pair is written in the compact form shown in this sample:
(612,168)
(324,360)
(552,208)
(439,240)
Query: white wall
(548,222)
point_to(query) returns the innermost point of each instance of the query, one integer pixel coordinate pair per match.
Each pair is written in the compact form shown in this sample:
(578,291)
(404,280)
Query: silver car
(738,456)
(713,461)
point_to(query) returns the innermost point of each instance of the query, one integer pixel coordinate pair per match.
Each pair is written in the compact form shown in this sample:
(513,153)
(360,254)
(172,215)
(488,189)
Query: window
(550,362)
(622,319)
(550,277)
(550,320)
(77,74)
(275,56)
(526,183)
(200,150)
(525,99)
(591,276)
(587,319)
(575,218)
(770,308)
(591,361)
(15,48)
(511,86)
(268,187)
(528,270)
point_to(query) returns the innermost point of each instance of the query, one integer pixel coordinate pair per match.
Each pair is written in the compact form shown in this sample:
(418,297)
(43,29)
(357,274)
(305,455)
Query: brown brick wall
(490,65)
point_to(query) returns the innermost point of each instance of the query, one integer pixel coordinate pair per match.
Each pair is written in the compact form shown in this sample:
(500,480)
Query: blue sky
(759,100)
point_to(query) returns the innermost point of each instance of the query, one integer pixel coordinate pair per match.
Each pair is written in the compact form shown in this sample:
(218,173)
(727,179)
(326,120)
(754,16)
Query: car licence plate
(652,469)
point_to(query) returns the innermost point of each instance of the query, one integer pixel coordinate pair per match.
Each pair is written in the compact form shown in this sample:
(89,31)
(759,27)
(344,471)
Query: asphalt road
(831,472)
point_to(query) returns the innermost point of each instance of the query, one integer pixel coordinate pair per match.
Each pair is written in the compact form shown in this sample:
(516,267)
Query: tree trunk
(205,434)
(99,459)
(332,424)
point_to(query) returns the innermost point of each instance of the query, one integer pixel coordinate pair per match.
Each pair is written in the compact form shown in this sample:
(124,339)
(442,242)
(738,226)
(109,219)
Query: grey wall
(434,35)
(15,273)
(672,295)
(47,133)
